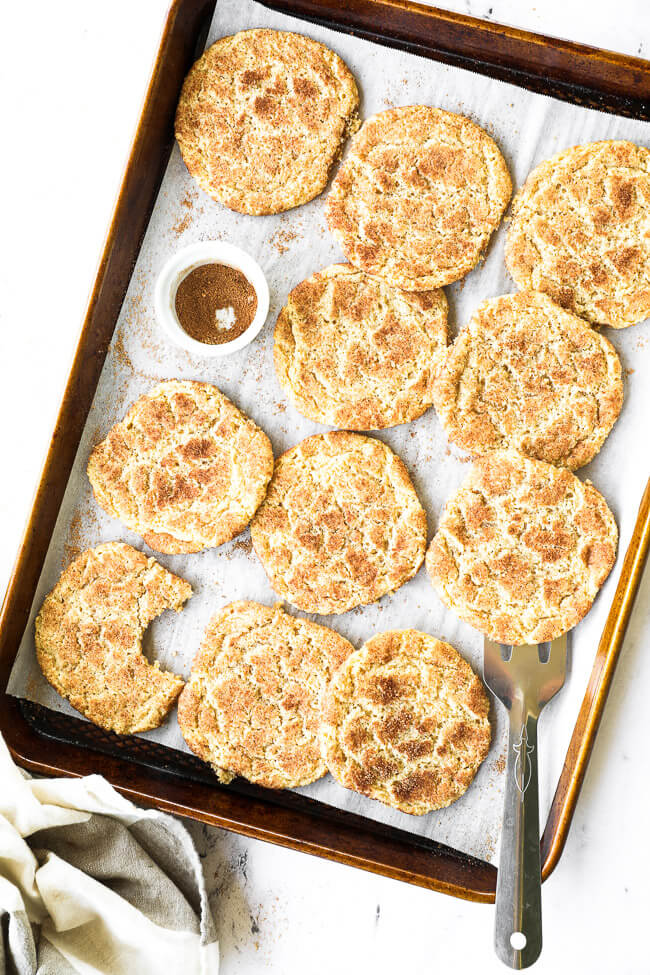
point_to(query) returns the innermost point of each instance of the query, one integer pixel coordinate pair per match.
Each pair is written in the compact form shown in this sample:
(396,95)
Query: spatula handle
(518,927)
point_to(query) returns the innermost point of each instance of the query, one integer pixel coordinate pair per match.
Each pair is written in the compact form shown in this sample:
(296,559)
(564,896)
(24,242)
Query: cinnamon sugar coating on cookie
(522,549)
(527,375)
(341,524)
(185,468)
(418,197)
(354,352)
(262,117)
(89,637)
(252,703)
(405,721)
(580,232)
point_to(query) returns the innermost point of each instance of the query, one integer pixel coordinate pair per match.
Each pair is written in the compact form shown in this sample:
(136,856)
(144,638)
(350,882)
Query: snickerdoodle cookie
(262,117)
(354,352)
(252,703)
(185,468)
(341,524)
(580,232)
(522,549)
(526,374)
(89,637)
(418,197)
(405,721)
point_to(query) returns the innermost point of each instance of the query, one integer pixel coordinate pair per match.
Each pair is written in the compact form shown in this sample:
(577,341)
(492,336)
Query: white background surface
(73,76)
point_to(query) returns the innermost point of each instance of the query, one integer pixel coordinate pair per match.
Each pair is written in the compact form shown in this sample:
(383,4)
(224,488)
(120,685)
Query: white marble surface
(73,75)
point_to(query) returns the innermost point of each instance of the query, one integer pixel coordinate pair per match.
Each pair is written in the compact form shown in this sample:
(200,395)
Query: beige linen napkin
(89,883)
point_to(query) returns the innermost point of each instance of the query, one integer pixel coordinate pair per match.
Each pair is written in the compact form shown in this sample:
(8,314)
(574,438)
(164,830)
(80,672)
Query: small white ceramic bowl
(180,265)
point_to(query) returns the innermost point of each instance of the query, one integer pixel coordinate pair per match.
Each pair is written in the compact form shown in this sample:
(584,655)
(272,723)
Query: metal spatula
(524,684)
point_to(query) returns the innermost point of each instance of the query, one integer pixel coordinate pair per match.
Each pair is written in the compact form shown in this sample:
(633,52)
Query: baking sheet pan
(528,128)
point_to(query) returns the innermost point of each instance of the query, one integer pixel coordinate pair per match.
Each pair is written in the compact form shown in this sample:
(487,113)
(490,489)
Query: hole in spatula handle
(518,940)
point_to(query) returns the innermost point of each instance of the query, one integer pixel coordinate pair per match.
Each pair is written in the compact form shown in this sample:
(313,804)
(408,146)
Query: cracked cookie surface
(522,549)
(262,117)
(89,637)
(353,352)
(418,197)
(252,705)
(341,524)
(405,721)
(527,375)
(580,232)
(185,468)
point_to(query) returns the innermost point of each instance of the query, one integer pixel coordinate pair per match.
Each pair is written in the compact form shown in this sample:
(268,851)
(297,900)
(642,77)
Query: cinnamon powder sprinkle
(215,303)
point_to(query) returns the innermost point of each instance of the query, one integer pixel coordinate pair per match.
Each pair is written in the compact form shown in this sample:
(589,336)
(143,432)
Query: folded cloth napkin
(89,883)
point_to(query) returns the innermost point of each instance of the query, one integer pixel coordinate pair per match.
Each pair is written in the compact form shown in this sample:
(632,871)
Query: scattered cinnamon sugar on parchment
(243,545)
(123,359)
(191,211)
(182,224)
(73,546)
(283,238)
